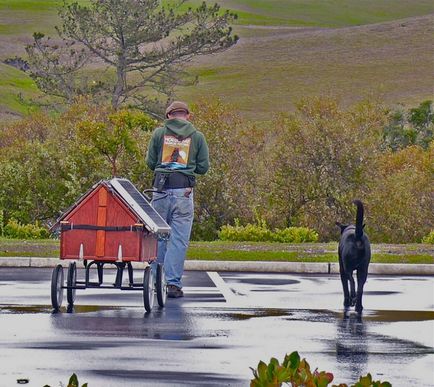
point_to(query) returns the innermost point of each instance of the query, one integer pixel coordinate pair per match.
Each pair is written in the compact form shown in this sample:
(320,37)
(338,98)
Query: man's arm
(202,160)
(152,152)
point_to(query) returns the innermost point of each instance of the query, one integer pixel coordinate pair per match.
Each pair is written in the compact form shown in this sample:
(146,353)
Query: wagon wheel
(71,282)
(57,287)
(161,285)
(148,289)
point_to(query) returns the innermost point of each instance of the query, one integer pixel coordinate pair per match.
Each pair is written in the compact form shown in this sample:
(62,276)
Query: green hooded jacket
(178,147)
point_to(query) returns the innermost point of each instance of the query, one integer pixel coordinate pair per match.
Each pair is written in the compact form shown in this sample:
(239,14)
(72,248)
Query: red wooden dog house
(112,223)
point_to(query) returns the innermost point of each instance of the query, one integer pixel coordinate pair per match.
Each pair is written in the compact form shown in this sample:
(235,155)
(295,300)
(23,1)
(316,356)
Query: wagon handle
(146,191)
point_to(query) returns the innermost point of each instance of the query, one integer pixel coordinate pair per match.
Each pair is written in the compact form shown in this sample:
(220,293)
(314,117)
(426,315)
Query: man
(177,152)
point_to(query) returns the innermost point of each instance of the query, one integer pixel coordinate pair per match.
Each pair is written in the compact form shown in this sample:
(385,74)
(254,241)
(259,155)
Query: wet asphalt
(226,323)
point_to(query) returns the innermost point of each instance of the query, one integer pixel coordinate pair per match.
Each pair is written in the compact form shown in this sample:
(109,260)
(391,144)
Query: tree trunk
(114,168)
(121,81)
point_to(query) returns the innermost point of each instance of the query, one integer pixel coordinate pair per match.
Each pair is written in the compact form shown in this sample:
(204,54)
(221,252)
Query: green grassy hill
(288,49)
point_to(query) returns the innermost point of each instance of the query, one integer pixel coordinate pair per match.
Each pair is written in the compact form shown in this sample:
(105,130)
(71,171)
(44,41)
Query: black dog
(354,254)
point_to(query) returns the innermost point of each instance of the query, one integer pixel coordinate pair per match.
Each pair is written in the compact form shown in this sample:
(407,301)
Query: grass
(331,13)
(13,82)
(29,248)
(30,5)
(288,49)
(391,62)
(246,251)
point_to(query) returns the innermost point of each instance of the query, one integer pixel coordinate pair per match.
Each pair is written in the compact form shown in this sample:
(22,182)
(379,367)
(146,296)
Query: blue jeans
(178,212)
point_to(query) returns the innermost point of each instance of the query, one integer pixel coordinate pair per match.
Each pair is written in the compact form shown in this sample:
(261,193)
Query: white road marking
(200,289)
(221,285)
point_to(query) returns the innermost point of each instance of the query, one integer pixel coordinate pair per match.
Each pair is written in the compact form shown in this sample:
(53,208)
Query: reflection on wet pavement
(20,309)
(205,339)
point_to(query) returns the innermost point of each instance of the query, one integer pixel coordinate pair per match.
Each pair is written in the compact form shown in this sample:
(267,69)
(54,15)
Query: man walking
(177,152)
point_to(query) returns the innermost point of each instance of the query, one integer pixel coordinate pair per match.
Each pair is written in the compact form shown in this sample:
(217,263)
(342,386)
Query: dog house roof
(135,201)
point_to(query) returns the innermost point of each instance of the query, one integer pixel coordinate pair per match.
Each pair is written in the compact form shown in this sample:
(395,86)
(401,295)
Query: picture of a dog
(354,254)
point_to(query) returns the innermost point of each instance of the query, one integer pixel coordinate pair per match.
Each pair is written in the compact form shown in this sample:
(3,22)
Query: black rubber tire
(71,282)
(148,289)
(57,282)
(161,286)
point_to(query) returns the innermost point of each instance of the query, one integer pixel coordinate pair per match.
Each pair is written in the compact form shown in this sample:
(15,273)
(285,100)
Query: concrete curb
(259,266)
(393,268)
(248,266)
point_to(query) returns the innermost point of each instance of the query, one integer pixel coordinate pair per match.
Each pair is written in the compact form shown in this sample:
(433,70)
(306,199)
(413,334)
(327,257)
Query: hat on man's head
(177,106)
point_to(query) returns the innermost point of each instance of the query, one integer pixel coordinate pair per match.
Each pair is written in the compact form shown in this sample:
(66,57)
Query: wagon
(113,224)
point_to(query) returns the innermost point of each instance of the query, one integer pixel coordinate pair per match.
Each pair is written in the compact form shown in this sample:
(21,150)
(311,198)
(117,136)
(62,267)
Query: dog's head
(344,226)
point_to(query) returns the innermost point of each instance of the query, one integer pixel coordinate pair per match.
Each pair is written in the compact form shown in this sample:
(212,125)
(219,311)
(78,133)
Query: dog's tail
(359,220)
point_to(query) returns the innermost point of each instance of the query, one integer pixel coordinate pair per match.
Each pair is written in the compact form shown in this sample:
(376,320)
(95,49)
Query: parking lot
(226,323)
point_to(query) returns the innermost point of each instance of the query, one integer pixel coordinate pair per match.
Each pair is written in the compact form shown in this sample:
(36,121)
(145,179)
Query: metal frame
(148,286)
(120,267)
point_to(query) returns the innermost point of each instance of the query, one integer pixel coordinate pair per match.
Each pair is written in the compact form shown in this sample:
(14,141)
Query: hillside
(267,73)
(288,49)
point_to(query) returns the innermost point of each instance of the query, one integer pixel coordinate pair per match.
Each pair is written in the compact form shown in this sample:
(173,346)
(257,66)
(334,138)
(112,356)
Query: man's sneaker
(174,292)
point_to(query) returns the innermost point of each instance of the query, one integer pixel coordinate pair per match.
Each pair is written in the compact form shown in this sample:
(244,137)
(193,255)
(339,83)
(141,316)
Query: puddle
(47,309)
(266,281)
(325,315)
(399,315)
(238,316)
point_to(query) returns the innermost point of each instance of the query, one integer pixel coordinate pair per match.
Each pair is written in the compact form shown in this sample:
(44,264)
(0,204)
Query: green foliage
(292,371)
(250,232)
(204,228)
(73,382)
(32,183)
(318,159)
(296,372)
(300,170)
(115,135)
(227,191)
(367,381)
(47,162)
(399,196)
(415,127)
(295,235)
(2,219)
(16,230)
(429,238)
(260,232)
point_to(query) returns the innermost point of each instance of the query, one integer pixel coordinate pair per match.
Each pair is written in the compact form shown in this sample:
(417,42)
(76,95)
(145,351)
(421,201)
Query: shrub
(204,228)
(297,373)
(295,235)
(429,238)
(230,188)
(251,232)
(260,232)
(413,127)
(48,161)
(16,230)
(319,157)
(2,219)
(399,198)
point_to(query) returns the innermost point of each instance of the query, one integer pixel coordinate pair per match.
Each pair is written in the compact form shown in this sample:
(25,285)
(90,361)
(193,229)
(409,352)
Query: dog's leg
(362,275)
(352,289)
(344,280)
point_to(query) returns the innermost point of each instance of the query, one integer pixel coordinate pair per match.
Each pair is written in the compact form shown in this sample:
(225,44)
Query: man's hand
(188,192)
